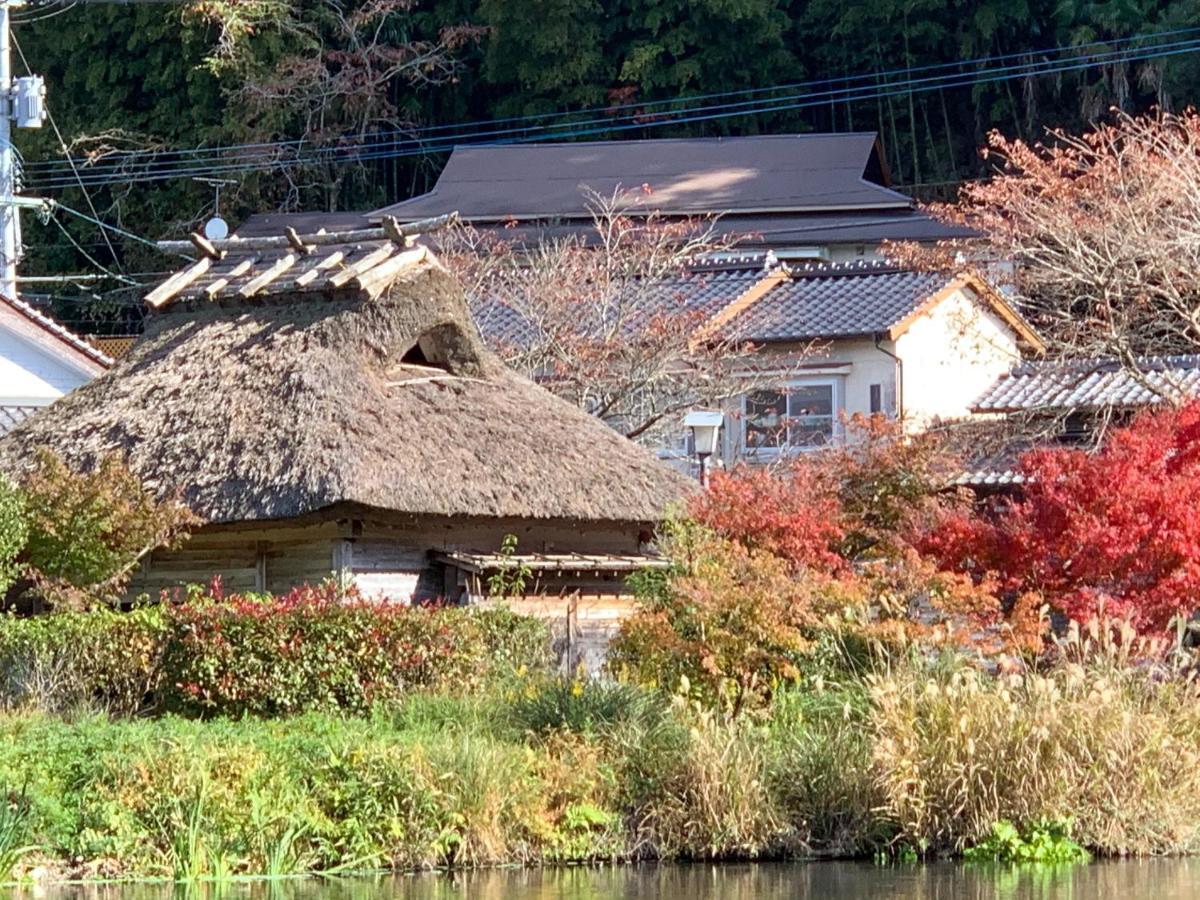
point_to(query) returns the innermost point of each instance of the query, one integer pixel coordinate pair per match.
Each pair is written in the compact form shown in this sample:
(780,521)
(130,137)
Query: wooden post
(572,627)
(343,563)
(260,567)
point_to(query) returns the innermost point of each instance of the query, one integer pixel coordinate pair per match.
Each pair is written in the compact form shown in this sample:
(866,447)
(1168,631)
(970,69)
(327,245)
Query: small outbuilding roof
(282,376)
(52,337)
(1090,383)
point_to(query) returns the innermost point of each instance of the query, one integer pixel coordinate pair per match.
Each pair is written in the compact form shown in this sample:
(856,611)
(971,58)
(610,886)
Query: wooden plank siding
(384,559)
(581,627)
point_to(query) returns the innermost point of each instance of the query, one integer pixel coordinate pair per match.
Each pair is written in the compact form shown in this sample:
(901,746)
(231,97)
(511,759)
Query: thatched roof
(275,382)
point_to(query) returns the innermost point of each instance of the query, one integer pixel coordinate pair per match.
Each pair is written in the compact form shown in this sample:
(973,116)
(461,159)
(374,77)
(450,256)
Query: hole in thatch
(415,356)
(441,350)
(442,347)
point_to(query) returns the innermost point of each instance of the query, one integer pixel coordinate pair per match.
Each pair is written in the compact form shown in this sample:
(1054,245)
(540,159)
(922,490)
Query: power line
(369,151)
(640,107)
(63,144)
(106,227)
(95,262)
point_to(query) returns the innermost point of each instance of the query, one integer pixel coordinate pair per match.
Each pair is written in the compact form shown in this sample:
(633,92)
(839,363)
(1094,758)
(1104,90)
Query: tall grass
(14,815)
(703,790)
(821,768)
(1107,745)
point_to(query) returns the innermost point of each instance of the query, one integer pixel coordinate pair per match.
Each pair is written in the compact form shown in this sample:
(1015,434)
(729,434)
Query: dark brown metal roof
(776,173)
(268,224)
(787,229)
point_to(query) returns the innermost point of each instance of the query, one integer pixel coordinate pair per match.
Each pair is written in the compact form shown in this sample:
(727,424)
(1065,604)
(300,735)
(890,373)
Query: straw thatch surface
(286,404)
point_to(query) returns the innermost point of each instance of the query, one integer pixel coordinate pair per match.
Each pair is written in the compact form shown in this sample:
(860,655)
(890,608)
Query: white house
(40,361)
(864,338)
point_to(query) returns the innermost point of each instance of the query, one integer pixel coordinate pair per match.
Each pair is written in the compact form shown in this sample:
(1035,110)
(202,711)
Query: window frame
(837,404)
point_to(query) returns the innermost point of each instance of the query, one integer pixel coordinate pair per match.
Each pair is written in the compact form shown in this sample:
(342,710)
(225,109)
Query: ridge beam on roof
(321,239)
(739,305)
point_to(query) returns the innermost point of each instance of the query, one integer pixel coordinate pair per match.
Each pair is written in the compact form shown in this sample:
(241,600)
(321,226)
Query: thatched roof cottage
(326,405)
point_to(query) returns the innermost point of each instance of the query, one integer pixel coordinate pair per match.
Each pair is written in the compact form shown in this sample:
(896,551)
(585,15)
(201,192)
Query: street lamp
(705,425)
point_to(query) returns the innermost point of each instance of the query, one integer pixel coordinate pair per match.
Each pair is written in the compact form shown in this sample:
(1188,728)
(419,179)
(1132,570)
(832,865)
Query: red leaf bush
(318,648)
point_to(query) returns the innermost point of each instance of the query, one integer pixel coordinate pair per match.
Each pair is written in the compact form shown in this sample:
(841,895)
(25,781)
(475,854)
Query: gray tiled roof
(698,295)
(502,327)
(13,415)
(1090,383)
(836,300)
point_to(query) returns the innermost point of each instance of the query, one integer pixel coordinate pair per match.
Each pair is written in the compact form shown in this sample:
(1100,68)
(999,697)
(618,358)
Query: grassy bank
(550,771)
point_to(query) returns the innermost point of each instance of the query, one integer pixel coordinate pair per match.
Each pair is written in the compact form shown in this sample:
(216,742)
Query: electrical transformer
(29,101)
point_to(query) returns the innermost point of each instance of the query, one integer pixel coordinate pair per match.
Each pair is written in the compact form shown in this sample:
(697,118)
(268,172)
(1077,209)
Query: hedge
(309,650)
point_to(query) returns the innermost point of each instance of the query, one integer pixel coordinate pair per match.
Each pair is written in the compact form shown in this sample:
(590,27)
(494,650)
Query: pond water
(1160,879)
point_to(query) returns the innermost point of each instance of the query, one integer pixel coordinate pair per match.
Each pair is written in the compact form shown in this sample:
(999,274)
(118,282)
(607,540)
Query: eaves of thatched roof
(351,375)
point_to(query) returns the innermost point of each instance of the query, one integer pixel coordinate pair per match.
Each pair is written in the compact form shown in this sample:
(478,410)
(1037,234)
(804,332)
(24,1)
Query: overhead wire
(66,152)
(372,150)
(91,259)
(21,19)
(640,107)
(105,227)
(369,151)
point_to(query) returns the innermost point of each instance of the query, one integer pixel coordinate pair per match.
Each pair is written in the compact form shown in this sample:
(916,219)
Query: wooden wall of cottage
(385,557)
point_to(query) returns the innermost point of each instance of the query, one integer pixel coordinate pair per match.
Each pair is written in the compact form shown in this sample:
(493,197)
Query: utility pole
(22,101)
(10,222)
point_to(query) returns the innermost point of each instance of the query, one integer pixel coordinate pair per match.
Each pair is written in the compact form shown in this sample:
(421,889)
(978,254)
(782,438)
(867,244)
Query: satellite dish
(216,229)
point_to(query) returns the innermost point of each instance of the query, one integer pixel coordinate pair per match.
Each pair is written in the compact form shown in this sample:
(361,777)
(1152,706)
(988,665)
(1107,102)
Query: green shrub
(262,656)
(14,531)
(66,661)
(315,649)
(87,530)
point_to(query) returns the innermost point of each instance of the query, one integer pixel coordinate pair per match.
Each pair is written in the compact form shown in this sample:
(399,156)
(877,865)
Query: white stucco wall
(31,376)
(951,355)
(852,364)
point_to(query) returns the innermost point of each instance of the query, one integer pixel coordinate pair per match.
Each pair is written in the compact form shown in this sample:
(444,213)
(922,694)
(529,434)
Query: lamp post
(705,425)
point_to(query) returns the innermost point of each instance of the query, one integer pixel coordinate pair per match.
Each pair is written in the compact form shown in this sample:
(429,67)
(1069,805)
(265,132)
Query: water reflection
(1159,879)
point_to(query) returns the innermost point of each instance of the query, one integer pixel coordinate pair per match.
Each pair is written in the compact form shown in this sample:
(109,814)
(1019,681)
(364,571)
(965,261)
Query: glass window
(801,415)
(766,420)
(810,415)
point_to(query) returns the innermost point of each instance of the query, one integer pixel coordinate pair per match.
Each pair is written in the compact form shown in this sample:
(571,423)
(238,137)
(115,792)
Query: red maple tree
(1113,532)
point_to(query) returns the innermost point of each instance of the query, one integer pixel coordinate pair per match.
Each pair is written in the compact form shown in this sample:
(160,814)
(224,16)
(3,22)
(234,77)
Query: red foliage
(796,516)
(1115,531)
